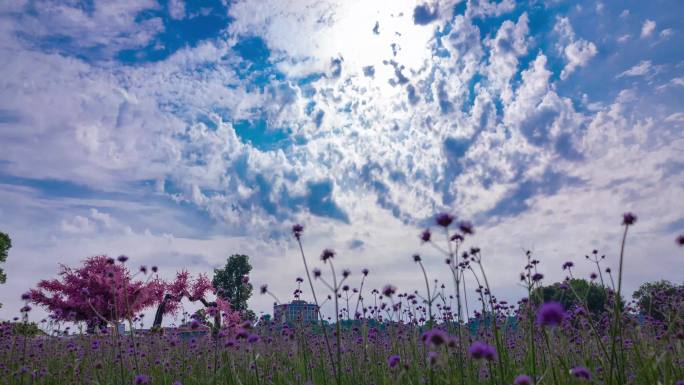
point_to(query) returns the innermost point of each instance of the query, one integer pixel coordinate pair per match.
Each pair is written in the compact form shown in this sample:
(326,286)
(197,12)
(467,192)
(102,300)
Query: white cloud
(577,52)
(310,33)
(105,218)
(666,33)
(108,26)
(510,42)
(177,9)
(677,117)
(679,81)
(643,68)
(624,38)
(487,8)
(647,28)
(78,225)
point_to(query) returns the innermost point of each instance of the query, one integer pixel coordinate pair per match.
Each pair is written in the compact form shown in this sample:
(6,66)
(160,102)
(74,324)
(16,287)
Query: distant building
(295,311)
(120,329)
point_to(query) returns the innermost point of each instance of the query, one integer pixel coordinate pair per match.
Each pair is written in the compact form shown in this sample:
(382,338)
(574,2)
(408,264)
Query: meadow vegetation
(459,333)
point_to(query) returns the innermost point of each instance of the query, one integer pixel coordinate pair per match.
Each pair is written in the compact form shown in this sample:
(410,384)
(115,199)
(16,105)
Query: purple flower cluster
(550,314)
(480,350)
(581,372)
(393,360)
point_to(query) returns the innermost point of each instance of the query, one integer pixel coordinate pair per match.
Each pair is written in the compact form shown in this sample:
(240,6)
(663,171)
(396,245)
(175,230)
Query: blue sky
(179,133)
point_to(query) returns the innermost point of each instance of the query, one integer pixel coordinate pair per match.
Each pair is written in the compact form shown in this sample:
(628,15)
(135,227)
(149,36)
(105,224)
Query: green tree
(5,245)
(23,328)
(659,299)
(200,316)
(232,283)
(567,293)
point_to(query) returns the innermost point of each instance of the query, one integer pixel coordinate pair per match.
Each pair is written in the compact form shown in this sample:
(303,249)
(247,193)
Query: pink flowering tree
(195,290)
(99,292)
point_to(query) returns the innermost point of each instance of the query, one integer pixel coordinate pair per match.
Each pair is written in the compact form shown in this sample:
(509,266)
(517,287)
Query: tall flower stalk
(297,231)
(628,220)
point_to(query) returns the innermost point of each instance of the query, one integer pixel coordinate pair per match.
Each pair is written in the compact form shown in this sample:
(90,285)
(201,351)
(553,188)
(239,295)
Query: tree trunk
(217,317)
(162,308)
(156,325)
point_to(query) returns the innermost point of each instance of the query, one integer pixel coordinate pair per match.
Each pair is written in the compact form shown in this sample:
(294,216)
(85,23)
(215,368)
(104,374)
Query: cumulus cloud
(647,28)
(577,52)
(485,8)
(510,42)
(176,9)
(104,26)
(77,225)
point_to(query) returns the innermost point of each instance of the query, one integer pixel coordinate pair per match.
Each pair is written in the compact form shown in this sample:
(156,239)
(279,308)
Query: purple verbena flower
(457,237)
(581,372)
(393,360)
(466,227)
(435,336)
(479,350)
(122,258)
(297,230)
(425,235)
(522,380)
(444,219)
(327,254)
(142,379)
(628,219)
(550,314)
(389,290)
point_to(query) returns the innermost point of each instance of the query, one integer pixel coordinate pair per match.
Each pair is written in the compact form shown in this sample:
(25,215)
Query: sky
(181,133)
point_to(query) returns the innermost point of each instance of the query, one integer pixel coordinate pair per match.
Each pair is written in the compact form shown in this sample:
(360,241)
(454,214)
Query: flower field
(384,336)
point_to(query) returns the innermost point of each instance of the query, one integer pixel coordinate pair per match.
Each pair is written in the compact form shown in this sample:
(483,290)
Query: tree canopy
(595,296)
(98,292)
(659,299)
(232,282)
(5,245)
